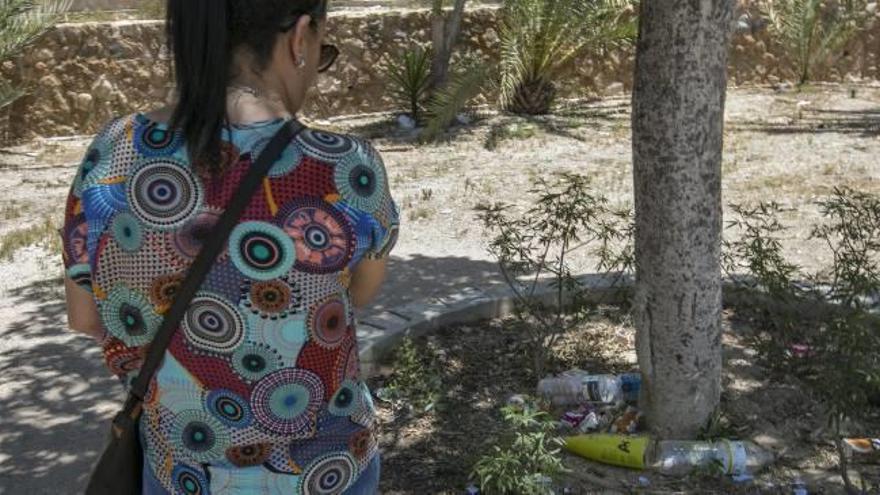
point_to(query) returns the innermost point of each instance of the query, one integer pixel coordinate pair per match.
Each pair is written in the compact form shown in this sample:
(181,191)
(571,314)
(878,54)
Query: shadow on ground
(864,123)
(57,399)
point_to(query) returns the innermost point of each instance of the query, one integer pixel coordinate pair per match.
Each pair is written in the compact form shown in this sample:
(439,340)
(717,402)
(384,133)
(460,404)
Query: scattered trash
(798,487)
(644,481)
(516,401)
(628,423)
(472,490)
(863,445)
(742,478)
(616,450)
(801,351)
(406,122)
(734,457)
(578,386)
(669,456)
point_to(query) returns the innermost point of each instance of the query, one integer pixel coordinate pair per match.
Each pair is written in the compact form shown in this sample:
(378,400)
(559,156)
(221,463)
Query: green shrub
(416,381)
(540,37)
(528,455)
(566,216)
(410,79)
(814,30)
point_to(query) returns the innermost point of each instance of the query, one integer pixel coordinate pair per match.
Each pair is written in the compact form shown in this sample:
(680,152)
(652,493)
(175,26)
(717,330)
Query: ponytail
(198,38)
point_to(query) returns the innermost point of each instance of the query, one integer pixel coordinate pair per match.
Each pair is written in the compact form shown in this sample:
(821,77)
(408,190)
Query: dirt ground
(481,365)
(792,147)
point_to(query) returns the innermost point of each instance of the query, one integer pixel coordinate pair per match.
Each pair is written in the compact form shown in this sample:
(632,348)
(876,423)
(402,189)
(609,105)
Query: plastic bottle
(577,387)
(734,457)
(472,490)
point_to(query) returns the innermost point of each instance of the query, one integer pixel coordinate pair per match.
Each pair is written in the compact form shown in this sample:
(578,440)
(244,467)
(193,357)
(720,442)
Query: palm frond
(410,78)
(446,102)
(23,21)
(813,30)
(540,37)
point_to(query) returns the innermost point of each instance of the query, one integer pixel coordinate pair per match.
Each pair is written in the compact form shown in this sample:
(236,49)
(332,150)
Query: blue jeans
(368,482)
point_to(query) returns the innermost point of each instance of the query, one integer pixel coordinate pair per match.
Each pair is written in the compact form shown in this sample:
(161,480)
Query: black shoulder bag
(120,469)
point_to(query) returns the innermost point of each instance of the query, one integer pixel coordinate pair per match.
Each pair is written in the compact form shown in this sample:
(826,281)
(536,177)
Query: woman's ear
(296,42)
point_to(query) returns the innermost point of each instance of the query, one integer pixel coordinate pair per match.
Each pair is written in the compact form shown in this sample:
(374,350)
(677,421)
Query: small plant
(410,80)
(539,37)
(814,30)
(448,100)
(842,339)
(416,381)
(43,234)
(527,457)
(22,22)
(566,216)
(427,194)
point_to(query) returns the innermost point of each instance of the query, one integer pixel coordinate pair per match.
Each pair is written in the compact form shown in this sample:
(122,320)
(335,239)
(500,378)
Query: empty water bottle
(577,386)
(732,457)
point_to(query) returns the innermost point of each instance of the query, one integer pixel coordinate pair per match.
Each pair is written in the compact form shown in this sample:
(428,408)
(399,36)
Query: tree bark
(444,34)
(678,123)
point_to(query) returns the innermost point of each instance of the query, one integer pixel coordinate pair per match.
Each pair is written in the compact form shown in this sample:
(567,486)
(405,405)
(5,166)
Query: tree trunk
(444,34)
(678,122)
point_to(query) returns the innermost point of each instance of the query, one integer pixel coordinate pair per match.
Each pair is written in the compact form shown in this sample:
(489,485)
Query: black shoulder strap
(212,247)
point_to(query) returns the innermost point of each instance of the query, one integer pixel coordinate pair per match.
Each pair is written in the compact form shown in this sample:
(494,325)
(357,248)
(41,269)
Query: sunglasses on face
(328,52)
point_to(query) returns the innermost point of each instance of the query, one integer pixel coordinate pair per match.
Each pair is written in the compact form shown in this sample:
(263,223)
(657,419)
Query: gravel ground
(783,145)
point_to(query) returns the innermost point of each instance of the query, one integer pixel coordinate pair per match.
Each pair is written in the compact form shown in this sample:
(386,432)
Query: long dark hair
(203,35)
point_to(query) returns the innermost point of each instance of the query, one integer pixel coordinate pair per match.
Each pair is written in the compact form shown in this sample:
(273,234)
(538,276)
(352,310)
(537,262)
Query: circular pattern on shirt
(253,361)
(229,408)
(327,322)
(128,232)
(272,296)
(97,156)
(120,358)
(249,455)
(153,139)
(261,251)
(188,481)
(163,290)
(188,240)
(359,443)
(286,401)
(346,399)
(212,324)
(164,193)
(361,181)
(199,436)
(325,240)
(329,474)
(325,145)
(76,239)
(129,316)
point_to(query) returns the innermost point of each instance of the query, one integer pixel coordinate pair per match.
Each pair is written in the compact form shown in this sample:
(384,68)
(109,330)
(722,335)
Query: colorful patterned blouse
(262,378)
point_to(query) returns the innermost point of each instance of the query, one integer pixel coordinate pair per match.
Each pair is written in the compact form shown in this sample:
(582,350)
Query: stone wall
(80,75)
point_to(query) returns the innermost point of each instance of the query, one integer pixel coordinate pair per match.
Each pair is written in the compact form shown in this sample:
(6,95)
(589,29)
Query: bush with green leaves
(22,22)
(462,85)
(540,37)
(416,381)
(813,31)
(527,456)
(566,216)
(829,312)
(410,79)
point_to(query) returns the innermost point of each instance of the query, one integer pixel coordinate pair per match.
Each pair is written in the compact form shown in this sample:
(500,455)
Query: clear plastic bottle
(681,457)
(578,387)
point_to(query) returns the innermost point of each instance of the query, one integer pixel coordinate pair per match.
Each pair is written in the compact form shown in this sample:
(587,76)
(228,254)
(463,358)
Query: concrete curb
(380,332)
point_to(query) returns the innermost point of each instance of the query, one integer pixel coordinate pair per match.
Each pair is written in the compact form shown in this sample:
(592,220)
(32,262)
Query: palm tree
(21,23)
(539,37)
(813,30)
